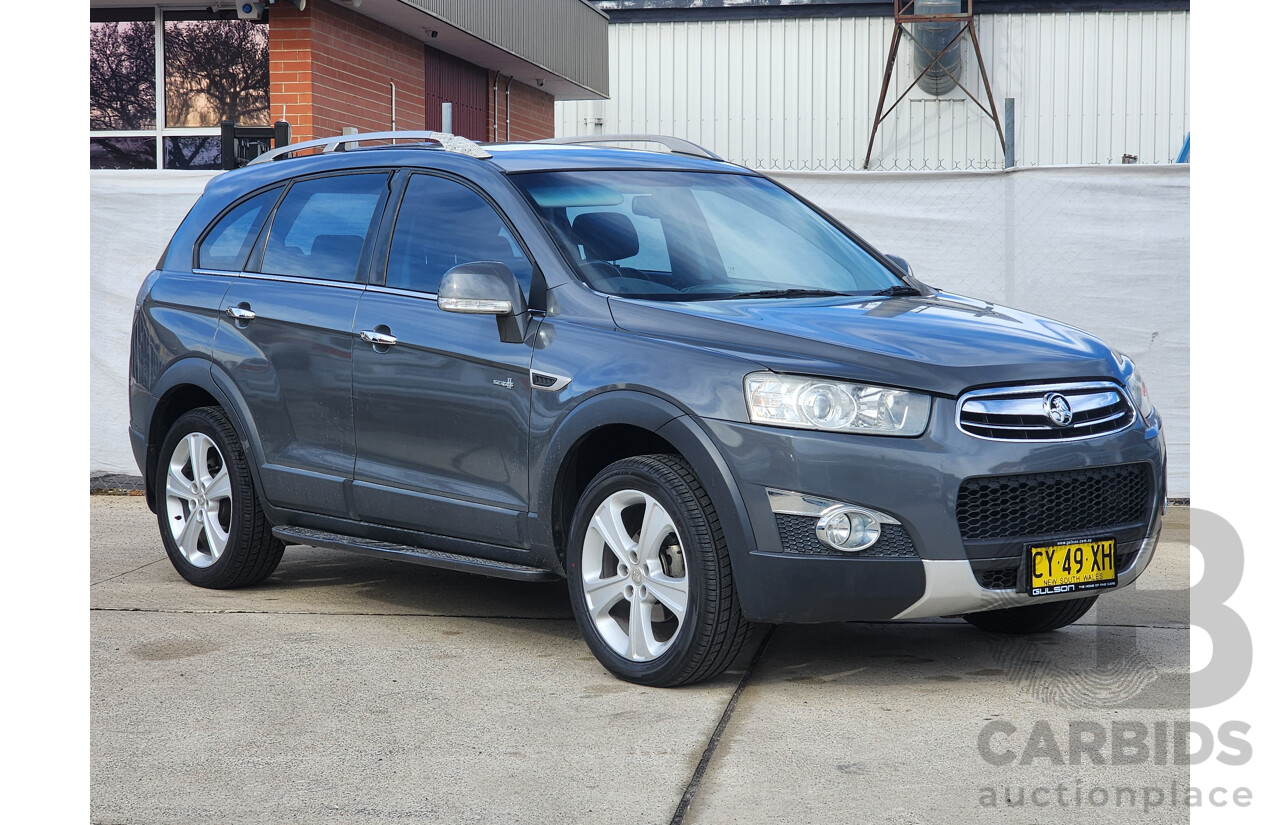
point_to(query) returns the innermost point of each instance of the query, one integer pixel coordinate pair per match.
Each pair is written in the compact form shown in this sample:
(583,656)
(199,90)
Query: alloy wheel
(634,576)
(198,499)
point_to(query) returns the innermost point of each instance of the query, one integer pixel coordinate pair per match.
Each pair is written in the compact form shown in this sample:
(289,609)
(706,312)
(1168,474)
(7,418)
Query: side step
(417,555)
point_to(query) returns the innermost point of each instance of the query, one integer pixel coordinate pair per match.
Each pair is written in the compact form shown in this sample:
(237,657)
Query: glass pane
(122,153)
(651,244)
(216,70)
(442,224)
(679,236)
(122,75)
(227,245)
(204,152)
(754,245)
(320,229)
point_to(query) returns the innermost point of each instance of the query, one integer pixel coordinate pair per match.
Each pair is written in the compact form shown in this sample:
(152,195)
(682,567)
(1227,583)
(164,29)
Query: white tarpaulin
(131,217)
(1105,248)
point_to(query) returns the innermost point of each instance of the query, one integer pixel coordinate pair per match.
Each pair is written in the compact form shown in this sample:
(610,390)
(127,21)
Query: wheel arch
(187,384)
(621,424)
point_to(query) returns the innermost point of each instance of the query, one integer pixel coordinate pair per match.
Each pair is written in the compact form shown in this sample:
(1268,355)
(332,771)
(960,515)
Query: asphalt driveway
(347,689)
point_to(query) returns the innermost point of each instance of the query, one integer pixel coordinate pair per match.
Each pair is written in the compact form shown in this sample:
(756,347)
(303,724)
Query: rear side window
(227,244)
(321,227)
(441,224)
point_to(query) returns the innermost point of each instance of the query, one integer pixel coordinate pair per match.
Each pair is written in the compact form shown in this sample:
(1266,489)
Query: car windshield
(696,236)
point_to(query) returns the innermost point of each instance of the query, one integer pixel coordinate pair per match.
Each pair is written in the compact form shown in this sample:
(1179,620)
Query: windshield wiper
(898,291)
(779,293)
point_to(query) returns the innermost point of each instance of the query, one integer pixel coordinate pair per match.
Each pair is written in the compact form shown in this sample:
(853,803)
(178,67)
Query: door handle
(242,313)
(378,339)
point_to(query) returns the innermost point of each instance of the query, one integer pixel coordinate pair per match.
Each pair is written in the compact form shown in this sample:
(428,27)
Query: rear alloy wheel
(210,521)
(649,575)
(1031,618)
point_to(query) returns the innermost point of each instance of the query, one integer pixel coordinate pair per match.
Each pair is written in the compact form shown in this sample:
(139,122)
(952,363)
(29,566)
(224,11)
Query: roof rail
(338,143)
(678,146)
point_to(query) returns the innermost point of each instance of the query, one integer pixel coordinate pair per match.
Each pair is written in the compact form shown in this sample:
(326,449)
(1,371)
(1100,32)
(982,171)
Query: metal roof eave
(569,60)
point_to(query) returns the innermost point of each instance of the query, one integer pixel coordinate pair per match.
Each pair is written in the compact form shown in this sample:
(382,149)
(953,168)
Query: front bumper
(917,481)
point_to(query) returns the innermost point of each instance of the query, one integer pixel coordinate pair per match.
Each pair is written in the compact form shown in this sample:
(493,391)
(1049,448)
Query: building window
(210,68)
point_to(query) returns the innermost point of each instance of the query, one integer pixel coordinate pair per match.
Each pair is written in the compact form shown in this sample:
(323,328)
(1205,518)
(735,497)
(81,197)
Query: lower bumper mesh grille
(798,536)
(1036,504)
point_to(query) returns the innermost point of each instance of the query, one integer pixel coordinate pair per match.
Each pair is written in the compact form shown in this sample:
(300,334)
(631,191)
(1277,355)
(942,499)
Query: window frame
(161,131)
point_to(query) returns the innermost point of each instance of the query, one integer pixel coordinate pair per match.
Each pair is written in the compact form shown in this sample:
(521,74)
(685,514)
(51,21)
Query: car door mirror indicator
(487,288)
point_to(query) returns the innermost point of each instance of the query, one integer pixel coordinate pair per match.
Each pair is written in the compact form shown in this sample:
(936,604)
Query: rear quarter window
(227,244)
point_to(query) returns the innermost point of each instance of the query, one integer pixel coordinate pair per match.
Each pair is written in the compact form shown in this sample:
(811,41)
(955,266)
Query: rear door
(285,336)
(441,415)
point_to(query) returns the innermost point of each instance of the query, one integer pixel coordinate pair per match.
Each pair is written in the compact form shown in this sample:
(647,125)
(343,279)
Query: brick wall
(332,67)
(532,111)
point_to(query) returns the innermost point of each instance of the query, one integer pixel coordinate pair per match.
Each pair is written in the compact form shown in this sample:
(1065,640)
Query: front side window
(441,224)
(683,236)
(321,227)
(227,244)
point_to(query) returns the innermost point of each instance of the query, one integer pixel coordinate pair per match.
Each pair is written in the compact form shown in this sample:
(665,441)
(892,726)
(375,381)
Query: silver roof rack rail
(339,143)
(678,146)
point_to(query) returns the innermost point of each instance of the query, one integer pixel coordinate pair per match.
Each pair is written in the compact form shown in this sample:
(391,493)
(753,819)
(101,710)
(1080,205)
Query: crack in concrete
(125,573)
(192,612)
(211,612)
(695,781)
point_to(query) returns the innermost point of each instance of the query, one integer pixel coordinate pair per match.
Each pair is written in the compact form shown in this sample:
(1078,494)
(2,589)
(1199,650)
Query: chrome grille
(1022,413)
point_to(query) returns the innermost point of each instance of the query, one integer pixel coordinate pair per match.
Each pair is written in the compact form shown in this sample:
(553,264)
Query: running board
(416,555)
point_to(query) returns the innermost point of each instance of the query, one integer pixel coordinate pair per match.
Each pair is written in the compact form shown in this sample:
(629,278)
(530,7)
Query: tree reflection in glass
(122,76)
(216,70)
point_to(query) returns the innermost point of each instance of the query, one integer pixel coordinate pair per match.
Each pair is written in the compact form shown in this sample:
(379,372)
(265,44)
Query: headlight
(1137,389)
(834,406)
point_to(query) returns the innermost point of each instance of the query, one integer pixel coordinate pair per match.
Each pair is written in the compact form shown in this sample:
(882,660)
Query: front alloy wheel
(649,575)
(633,577)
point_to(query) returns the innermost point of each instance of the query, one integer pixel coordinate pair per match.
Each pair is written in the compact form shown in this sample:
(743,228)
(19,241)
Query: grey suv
(696,396)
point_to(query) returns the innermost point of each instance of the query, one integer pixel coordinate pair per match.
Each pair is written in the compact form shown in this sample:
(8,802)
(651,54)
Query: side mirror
(487,288)
(902,264)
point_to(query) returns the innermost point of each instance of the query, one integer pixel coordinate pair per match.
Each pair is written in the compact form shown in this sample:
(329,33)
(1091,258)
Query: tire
(1033,618)
(646,544)
(211,523)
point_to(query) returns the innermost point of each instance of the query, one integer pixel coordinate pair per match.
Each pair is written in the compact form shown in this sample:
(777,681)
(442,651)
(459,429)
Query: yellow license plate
(1072,566)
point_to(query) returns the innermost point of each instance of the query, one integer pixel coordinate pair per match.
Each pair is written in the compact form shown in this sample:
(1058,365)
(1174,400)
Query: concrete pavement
(347,689)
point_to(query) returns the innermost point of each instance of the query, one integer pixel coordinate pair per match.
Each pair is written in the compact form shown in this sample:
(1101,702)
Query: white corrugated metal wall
(801,93)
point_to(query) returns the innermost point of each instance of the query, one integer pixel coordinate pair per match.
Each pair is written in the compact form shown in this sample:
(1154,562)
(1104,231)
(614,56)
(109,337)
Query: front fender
(665,420)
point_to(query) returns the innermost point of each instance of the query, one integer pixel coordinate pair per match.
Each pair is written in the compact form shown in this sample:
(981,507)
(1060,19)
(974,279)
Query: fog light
(848,528)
